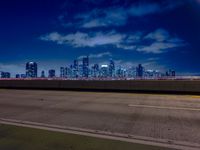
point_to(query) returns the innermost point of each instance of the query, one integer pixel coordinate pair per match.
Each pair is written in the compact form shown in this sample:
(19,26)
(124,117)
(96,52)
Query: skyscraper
(68,72)
(139,71)
(5,74)
(111,68)
(104,71)
(75,68)
(171,73)
(31,70)
(23,75)
(131,72)
(121,72)
(62,72)
(52,73)
(86,67)
(43,74)
(17,76)
(95,70)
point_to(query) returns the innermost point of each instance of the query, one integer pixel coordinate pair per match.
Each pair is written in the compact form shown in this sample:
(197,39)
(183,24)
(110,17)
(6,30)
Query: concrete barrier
(161,86)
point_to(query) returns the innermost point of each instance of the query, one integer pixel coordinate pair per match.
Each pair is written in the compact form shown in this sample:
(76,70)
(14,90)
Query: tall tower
(75,69)
(95,70)
(52,73)
(111,68)
(62,72)
(104,71)
(139,71)
(86,67)
(42,74)
(31,70)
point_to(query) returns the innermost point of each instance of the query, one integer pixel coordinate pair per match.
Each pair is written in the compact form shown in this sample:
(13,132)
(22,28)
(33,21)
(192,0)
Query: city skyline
(118,64)
(158,34)
(82,68)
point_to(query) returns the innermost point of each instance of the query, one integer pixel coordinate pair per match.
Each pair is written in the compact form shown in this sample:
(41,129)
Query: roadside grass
(22,138)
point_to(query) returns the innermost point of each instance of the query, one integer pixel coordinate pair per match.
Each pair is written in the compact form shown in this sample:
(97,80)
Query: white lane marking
(164,107)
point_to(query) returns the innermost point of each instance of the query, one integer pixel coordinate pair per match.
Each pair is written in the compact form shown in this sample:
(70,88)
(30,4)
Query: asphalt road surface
(175,118)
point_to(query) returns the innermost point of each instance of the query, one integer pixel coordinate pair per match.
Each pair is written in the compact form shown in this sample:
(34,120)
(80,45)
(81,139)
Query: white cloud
(80,39)
(94,23)
(134,38)
(159,35)
(144,9)
(119,15)
(126,47)
(99,55)
(103,18)
(160,40)
(157,47)
(54,37)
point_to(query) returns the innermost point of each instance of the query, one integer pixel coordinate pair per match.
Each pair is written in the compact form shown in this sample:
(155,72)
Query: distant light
(104,65)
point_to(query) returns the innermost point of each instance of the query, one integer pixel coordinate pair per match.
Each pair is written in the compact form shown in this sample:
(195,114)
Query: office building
(52,73)
(17,76)
(42,74)
(104,71)
(95,71)
(111,68)
(85,67)
(75,69)
(23,75)
(69,72)
(131,72)
(62,72)
(5,74)
(152,74)
(31,70)
(121,73)
(171,73)
(140,71)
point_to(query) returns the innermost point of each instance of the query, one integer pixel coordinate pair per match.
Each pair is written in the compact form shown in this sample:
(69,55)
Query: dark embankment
(147,86)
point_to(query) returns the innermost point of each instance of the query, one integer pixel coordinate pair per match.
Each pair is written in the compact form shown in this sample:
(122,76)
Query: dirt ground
(173,117)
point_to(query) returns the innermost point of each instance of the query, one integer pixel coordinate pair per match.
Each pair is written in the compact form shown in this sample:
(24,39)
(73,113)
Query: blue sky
(159,34)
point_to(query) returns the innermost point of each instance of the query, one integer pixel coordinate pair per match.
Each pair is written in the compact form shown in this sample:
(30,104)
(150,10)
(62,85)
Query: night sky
(161,34)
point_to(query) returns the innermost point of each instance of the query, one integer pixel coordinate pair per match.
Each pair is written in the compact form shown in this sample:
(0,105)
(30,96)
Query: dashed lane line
(164,107)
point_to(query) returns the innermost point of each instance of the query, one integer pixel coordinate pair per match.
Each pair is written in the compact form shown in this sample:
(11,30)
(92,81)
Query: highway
(169,119)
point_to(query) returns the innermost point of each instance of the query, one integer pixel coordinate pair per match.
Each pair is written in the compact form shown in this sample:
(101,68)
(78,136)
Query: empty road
(175,118)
